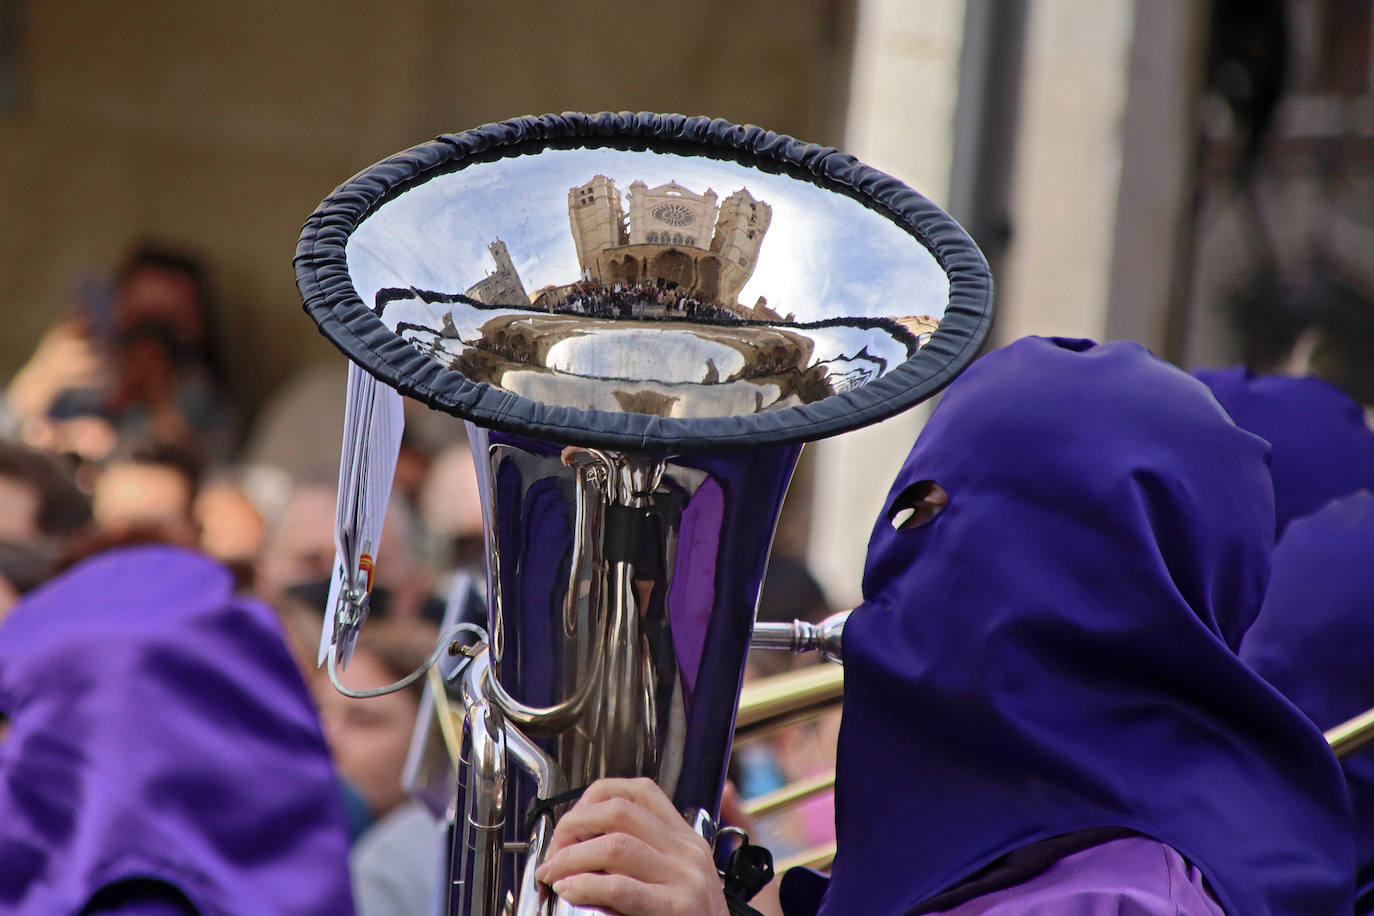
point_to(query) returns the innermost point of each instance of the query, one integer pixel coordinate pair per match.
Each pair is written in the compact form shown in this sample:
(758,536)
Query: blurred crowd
(120,430)
(633,299)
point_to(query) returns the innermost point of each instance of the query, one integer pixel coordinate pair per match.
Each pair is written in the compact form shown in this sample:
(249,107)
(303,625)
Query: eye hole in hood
(917,504)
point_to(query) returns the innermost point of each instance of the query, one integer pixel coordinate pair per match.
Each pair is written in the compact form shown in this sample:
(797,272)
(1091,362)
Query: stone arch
(674,268)
(625,270)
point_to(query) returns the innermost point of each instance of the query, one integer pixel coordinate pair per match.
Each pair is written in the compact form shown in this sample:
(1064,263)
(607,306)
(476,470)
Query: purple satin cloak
(159,729)
(1054,652)
(1135,876)
(1314,638)
(1321,446)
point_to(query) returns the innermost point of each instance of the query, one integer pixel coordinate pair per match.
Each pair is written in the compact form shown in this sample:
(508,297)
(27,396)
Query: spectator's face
(152,294)
(132,495)
(230,526)
(302,550)
(302,547)
(369,738)
(18,511)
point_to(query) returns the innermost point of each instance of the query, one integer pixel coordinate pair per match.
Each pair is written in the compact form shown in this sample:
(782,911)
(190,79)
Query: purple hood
(159,729)
(1313,638)
(1321,446)
(1055,651)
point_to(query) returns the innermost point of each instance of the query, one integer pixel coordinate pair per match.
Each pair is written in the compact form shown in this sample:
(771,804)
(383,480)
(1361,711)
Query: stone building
(502,287)
(672,237)
(598,223)
(739,232)
(671,215)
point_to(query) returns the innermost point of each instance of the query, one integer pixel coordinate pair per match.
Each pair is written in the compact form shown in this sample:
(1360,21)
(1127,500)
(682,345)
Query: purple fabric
(1137,876)
(1055,650)
(1313,636)
(693,591)
(159,729)
(1322,447)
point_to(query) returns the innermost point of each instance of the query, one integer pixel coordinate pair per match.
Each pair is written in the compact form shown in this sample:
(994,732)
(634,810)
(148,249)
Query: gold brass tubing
(790,794)
(449,720)
(818,857)
(770,702)
(1352,735)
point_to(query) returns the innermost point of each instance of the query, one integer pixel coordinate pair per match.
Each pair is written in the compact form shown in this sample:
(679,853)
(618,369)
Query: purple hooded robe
(162,753)
(1321,446)
(1314,638)
(1052,658)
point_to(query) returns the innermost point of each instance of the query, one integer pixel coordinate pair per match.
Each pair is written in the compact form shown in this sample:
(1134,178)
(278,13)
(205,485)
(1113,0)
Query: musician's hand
(625,847)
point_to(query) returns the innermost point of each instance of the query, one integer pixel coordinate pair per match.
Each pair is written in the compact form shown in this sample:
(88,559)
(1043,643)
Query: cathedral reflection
(653,323)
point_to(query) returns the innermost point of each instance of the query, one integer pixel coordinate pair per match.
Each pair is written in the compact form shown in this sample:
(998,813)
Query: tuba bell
(641,318)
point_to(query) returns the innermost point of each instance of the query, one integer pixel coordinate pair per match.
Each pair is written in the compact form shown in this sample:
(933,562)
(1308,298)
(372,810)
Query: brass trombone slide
(1352,735)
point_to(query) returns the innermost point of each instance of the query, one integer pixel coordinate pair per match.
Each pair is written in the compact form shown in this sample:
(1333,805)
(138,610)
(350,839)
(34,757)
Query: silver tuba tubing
(482,771)
(621,594)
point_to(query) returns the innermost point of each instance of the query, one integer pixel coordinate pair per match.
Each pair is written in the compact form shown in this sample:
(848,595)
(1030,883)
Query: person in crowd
(301,624)
(396,861)
(231,525)
(1312,638)
(450,506)
(155,486)
(298,556)
(38,497)
(148,363)
(1044,709)
(40,507)
(161,755)
(1307,387)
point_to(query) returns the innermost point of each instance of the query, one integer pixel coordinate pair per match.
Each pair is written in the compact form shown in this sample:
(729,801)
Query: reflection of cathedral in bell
(672,238)
(503,287)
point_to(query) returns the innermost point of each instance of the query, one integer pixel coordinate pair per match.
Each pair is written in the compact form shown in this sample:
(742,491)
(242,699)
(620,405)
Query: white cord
(413,676)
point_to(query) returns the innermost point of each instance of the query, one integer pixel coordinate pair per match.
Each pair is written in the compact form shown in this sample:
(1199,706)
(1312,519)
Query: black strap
(738,907)
(541,806)
(748,870)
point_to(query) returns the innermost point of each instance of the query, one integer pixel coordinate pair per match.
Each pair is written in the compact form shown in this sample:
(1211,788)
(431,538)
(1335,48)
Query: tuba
(641,318)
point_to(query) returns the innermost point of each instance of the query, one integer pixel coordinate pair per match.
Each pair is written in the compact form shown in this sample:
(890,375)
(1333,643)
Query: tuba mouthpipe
(782,637)
(799,636)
